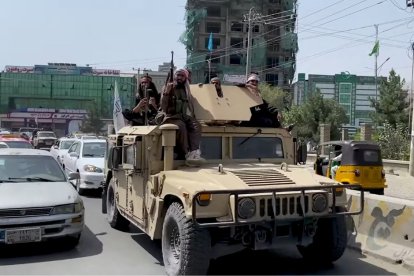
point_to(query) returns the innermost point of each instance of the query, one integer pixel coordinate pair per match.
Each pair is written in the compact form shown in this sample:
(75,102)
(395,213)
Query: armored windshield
(257,147)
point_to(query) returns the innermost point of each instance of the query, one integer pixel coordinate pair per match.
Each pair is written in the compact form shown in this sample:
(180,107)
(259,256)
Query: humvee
(249,193)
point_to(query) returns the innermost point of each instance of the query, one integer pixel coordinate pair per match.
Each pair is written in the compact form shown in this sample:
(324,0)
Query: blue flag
(210,43)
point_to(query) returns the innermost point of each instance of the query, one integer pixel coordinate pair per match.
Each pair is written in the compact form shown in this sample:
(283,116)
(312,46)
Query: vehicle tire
(115,219)
(103,197)
(185,249)
(329,242)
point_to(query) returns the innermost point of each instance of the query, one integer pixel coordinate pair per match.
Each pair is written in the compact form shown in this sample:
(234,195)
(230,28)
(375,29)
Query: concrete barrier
(385,229)
(390,166)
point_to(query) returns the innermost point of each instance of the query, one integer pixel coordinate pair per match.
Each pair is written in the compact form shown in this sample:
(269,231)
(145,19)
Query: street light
(383,64)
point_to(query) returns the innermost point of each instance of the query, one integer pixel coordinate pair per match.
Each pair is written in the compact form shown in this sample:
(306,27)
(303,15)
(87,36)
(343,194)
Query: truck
(248,194)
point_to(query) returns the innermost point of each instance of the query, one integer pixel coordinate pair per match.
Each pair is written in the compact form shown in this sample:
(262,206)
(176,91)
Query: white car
(37,202)
(61,147)
(87,158)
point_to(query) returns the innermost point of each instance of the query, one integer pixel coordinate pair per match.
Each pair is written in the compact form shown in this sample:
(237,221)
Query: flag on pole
(118,118)
(210,42)
(375,49)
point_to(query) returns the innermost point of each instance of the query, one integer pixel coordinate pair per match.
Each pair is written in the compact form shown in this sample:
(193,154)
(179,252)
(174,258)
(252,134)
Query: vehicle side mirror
(73,154)
(74,175)
(114,158)
(55,147)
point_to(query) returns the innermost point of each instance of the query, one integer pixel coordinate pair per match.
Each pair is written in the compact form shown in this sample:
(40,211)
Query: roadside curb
(384,230)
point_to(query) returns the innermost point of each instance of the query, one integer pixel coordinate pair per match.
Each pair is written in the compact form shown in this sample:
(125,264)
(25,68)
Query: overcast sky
(334,35)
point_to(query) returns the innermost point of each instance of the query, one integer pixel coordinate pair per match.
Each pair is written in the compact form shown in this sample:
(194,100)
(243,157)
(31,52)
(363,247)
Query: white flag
(119,121)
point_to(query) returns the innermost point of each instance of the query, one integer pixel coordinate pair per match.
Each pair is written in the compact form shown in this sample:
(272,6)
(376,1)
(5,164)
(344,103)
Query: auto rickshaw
(360,163)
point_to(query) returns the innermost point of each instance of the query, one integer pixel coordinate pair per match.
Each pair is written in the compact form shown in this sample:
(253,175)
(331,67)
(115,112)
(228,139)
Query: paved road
(103,250)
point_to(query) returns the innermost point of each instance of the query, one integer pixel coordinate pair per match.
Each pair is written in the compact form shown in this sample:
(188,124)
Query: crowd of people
(175,106)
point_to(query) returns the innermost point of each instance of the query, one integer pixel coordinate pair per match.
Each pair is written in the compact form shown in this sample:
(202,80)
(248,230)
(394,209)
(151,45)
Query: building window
(213,27)
(235,59)
(214,58)
(216,42)
(272,62)
(272,79)
(275,1)
(255,29)
(273,30)
(236,42)
(236,27)
(273,46)
(213,11)
(273,12)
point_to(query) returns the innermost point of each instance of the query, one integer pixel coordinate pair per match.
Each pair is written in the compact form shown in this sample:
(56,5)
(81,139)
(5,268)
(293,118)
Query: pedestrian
(147,101)
(177,108)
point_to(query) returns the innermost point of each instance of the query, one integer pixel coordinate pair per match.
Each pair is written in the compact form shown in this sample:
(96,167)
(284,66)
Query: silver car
(37,202)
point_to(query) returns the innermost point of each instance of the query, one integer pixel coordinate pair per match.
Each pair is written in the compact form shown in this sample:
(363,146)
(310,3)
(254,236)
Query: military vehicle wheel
(329,242)
(185,249)
(115,219)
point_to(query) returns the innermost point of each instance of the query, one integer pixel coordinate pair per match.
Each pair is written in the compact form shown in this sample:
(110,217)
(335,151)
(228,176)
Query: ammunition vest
(180,101)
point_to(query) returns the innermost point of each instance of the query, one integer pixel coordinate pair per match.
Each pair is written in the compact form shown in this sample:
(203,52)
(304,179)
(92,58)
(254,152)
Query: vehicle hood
(243,176)
(36,194)
(97,162)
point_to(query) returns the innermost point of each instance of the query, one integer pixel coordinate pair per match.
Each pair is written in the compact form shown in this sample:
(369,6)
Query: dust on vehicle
(248,194)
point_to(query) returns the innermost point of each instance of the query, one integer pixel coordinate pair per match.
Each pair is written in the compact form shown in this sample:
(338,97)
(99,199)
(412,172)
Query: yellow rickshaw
(353,162)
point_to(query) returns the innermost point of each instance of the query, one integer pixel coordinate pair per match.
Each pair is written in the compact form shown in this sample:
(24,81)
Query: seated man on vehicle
(336,162)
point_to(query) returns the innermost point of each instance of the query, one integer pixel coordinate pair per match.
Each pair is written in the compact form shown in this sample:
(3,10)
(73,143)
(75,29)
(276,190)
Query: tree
(93,122)
(391,107)
(394,142)
(315,111)
(275,96)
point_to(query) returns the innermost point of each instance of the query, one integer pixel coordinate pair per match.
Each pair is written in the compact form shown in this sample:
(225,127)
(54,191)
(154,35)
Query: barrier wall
(385,229)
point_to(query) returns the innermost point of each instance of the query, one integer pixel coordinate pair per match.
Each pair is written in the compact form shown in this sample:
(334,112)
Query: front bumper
(53,226)
(273,200)
(90,180)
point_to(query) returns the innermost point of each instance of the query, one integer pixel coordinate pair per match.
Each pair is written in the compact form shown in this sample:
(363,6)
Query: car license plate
(23,235)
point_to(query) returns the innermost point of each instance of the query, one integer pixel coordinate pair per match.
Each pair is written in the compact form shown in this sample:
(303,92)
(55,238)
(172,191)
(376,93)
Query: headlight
(319,203)
(92,168)
(68,209)
(246,208)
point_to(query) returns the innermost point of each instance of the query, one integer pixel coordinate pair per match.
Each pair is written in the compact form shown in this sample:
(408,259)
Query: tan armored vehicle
(248,194)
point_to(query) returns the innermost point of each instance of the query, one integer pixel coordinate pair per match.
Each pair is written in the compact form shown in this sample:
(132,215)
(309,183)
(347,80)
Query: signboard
(18,69)
(105,72)
(234,78)
(38,115)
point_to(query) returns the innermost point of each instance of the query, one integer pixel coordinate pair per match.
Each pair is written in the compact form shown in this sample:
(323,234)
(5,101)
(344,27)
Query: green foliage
(315,111)
(275,96)
(93,123)
(391,107)
(394,142)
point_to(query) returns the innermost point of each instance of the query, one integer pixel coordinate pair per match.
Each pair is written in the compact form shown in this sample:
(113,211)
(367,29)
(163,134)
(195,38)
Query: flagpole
(376,71)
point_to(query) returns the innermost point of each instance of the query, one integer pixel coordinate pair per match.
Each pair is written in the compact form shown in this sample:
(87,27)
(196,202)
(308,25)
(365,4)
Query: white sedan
(37,202)
(61,147)
(86,157)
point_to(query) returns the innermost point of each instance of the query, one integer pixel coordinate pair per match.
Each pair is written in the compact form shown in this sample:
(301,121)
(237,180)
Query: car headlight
(68,208)
(246,208)
(319,203)
(92,168)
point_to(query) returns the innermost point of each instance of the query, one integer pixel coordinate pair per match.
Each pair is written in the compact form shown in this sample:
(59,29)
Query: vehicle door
(71,157)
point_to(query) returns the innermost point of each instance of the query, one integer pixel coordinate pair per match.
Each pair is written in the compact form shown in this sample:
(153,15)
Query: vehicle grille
(30,212)
(285,206)
(257,178)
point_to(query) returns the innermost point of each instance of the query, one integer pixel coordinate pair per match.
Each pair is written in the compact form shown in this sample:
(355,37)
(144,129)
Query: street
(103,250)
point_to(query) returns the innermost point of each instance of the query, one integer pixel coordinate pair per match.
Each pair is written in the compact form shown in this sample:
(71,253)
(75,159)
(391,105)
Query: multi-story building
(59,95)
(352,92)
(273,41)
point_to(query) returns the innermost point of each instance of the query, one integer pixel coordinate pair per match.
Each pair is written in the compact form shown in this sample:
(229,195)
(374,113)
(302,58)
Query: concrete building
(273,40)
(352,92)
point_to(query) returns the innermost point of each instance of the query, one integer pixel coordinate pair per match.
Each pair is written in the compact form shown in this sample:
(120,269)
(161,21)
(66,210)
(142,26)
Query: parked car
(14,141)
(43,139)
(37,202)
(87,158)
(60,148)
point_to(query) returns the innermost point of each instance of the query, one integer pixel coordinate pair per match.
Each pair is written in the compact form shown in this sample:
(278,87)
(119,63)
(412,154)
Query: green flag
(375,50)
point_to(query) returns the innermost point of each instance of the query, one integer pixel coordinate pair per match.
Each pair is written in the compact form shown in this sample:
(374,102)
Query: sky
(334,35)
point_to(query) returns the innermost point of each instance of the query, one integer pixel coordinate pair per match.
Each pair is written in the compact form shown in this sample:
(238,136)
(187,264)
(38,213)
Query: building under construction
(217,40)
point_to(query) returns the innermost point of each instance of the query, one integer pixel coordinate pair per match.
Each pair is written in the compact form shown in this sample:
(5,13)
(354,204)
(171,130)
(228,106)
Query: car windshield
(94,149)
(18,144)
(66,144)
(27,168)
(46,134)
(257,147)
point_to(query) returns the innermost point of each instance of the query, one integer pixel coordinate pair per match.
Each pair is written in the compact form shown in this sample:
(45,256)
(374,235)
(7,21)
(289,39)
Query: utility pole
(251,17)
(411,114)
(376,73)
